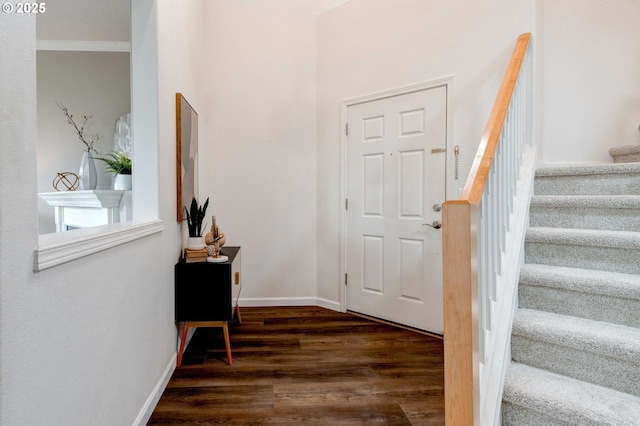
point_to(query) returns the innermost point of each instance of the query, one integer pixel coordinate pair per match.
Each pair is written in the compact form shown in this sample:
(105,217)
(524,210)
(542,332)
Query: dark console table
(207,295)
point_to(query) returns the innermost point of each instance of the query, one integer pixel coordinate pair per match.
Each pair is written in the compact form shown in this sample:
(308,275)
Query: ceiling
(86,20)
(324,5)
(100,20)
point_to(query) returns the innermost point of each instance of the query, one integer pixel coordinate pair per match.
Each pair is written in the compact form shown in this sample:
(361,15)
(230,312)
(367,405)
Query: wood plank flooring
(307,365)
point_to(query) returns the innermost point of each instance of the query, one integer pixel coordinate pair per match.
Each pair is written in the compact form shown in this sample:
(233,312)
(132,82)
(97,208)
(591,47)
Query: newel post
(459,256)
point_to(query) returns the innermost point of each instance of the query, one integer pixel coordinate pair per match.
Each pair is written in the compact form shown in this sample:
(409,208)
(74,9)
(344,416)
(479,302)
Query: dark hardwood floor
(307,365)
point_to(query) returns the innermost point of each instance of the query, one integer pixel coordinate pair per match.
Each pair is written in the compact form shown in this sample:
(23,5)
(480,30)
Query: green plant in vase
(119,164)
(195,217)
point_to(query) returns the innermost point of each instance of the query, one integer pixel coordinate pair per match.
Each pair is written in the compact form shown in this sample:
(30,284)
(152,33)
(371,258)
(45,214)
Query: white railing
(483,245)
(502,224)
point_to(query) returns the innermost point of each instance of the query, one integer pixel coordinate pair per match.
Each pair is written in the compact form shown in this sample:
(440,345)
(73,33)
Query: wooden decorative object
(186,153)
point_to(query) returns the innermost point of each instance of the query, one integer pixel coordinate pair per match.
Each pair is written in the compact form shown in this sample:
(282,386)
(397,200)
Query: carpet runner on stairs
(576,335)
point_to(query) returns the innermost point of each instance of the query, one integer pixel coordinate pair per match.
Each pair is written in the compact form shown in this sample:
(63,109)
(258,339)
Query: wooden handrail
(477,178)
(460,263)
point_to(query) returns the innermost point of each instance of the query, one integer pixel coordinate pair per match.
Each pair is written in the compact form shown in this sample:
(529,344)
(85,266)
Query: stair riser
(517,415)
(623,260)
(629,158)
(608,184)
(612,219)
(594,368)
(582,305)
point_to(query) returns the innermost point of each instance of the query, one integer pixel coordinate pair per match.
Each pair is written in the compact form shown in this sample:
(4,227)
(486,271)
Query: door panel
(411,184)
(393,180)
(372,262)
(373,184)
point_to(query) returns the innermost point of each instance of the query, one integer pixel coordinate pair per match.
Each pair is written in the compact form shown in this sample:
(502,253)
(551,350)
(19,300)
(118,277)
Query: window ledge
(55,249)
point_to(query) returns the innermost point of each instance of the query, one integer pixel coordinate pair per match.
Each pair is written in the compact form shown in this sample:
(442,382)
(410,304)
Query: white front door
(396,156)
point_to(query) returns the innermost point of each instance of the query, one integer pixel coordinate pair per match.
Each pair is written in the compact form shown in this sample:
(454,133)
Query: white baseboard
(154,397)
(328,304)
(288,301)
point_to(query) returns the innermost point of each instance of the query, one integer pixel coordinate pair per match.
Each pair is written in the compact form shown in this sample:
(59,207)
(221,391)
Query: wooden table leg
(185,327)
(225,329)
(238,314)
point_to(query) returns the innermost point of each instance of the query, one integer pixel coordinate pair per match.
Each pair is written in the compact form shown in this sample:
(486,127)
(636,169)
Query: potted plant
(195,216)
(119,164)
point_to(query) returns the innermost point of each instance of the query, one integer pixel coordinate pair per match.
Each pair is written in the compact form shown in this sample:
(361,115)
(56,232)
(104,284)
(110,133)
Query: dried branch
(80,130)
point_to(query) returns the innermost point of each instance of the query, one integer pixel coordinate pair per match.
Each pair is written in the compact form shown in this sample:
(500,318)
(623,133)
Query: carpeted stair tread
(586,201)
(592,351)
(585,293)
(605,283)
(605,212)
(588,170)
(606,250)
(611,340)
(601,179)
(568,400)
(584,237)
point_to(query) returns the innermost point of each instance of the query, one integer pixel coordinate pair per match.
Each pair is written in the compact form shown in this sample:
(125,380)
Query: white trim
(97,198)
(276,301)
(83,46)
(150,404)
(288,301)
(55,249)
(444,81)
(342,284)
(450,192)
(328,304)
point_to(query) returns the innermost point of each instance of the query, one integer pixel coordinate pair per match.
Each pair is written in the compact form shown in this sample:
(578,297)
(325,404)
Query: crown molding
(84,46)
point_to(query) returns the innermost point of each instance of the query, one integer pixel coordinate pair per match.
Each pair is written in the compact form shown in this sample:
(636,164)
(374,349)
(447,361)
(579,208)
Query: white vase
(122,182)
(87,173)
(195,243)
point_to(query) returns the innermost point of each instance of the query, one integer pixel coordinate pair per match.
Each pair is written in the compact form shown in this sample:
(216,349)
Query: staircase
(575,341)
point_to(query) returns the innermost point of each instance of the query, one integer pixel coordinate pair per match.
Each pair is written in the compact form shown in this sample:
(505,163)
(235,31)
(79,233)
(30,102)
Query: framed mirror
(186,153)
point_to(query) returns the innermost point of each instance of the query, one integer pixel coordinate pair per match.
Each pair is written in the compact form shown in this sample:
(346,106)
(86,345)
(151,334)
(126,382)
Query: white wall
(85,342)
(88,83)
(257,141)
(367,46)
(260,98)
(591,76)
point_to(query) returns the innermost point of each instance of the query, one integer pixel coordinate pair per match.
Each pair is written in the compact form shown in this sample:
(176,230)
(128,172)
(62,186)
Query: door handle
(435,225)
